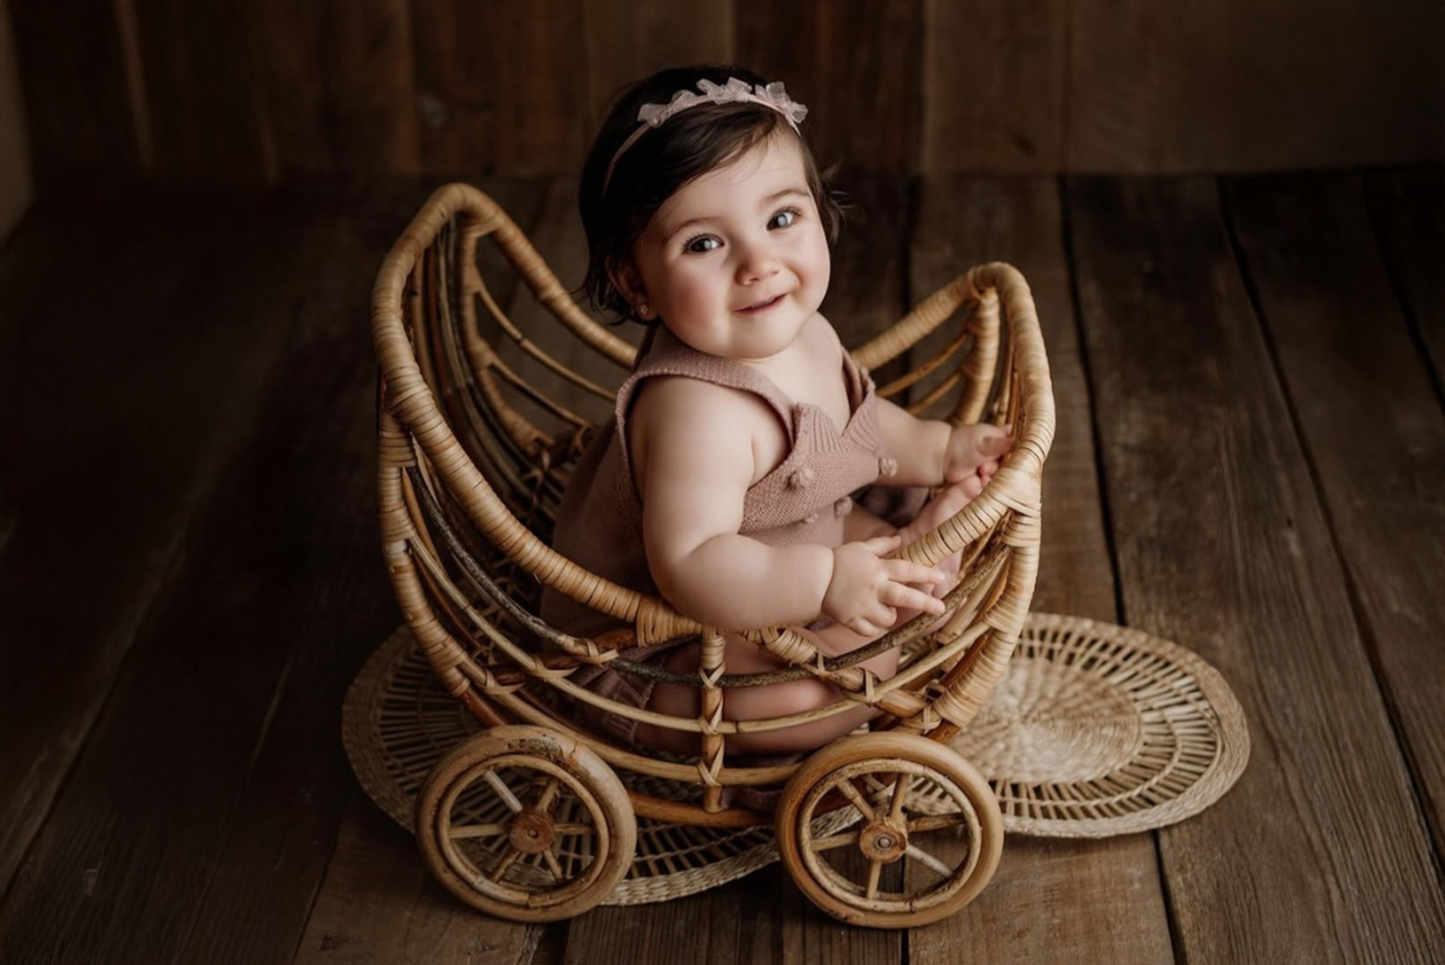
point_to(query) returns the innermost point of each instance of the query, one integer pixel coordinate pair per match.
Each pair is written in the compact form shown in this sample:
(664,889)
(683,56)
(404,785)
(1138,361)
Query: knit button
(887,465)
(810,518)
(843,507)
(800,478)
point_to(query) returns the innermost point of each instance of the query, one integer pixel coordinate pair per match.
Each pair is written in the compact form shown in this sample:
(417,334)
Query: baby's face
(737,261)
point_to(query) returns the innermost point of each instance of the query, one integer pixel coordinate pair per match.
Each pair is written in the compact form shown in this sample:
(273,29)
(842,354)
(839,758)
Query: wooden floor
(1250,460)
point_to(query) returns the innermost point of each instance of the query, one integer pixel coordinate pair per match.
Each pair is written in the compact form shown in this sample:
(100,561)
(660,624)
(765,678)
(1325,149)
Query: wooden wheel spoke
(562,828)
(553,865)
(548,795)
(503,792)
(459,831)
(936,822)
(855,796)
(503,866)
(901,784)
(929,861)
(834,841)
(875,869)
(526,823)
(879,872)
(872,781)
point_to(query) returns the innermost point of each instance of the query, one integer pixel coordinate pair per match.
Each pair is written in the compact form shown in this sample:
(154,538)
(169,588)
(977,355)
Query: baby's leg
(936,511)
(770,701)
(861,525)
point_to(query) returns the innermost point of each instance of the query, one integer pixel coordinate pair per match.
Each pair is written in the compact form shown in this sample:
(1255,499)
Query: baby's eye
(784,218)
(701,244)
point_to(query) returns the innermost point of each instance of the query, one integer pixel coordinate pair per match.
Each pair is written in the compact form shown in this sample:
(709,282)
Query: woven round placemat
(1095,730)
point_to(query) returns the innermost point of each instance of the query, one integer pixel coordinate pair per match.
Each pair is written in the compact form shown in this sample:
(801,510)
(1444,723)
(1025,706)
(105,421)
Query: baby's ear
(627,280)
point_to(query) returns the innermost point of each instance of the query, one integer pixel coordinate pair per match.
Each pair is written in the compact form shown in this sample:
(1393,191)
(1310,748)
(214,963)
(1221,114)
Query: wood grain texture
(336,86)
(1102,900)
(279,841)
(1319,853)
(856,66)
(16,188)
(736,924)
(1370,421)
(72,74)
(994,86)
(138,837)
(200,68)
(1254,86)
(628,41)
(502,86)
(150,370)
(1408,212)
(379,906)
(868,292)
(377,903)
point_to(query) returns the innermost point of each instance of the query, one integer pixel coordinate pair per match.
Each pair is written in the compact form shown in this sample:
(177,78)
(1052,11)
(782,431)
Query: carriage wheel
(526,824)
(855,874)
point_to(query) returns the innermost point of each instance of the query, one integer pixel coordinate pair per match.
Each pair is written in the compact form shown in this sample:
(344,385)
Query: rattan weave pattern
(1096,730)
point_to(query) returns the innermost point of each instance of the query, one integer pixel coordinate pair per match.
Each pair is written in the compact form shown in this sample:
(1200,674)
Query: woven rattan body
(474,457)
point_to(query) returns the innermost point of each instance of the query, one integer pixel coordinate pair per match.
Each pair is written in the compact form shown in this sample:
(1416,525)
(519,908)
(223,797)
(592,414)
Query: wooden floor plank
(143,819)
(368,868)
(869,292)
(1102,900)
(280,840)
(135,375)
(1372,426)
(1319,853)
(380,906)
(1408,211)
(730,925)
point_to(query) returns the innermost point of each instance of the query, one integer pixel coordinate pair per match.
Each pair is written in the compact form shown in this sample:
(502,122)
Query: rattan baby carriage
(529,819)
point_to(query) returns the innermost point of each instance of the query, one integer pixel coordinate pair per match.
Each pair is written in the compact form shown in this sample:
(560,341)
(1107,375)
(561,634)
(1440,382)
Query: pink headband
(734,92)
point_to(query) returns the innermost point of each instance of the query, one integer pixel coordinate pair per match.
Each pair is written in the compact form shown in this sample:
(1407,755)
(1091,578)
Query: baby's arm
(930,453)
(696,448)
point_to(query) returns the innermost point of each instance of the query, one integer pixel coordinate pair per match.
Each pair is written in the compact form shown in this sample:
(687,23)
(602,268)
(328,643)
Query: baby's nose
(756,264)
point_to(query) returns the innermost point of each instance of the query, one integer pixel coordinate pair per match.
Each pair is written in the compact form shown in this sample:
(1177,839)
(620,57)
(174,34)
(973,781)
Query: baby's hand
(866,590)
(975,451)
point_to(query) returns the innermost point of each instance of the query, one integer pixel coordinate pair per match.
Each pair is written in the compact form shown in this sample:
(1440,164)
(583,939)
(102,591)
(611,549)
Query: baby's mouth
(763,305)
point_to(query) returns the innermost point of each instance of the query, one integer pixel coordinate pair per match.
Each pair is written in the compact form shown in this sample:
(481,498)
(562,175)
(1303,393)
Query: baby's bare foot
(940,508)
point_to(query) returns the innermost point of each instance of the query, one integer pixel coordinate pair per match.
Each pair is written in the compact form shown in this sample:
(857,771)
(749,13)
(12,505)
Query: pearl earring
(644,310)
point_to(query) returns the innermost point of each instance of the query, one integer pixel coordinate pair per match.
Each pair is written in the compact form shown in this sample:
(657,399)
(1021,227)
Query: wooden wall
(247,90)
(15,186)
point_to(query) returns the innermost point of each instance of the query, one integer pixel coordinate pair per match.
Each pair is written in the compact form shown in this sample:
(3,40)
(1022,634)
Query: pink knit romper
(803,500)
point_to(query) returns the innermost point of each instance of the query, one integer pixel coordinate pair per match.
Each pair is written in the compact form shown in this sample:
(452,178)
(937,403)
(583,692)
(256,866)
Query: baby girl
(724,483)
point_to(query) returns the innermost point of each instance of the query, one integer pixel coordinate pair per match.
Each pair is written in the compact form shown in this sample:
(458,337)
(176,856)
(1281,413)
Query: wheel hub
(531,832)
(883,841)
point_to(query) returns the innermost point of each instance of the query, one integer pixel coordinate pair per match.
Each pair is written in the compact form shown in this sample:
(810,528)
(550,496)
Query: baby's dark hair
(688,145)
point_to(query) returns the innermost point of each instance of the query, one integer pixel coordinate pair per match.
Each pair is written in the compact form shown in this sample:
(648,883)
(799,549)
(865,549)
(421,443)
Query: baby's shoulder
(704,424)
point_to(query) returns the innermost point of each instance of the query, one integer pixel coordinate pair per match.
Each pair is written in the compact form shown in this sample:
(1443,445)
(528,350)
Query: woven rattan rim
(1095,730)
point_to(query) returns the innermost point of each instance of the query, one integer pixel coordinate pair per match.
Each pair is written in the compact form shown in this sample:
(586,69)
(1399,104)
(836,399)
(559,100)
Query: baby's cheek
(823,265)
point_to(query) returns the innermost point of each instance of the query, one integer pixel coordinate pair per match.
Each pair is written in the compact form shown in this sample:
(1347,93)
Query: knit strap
(672,356)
